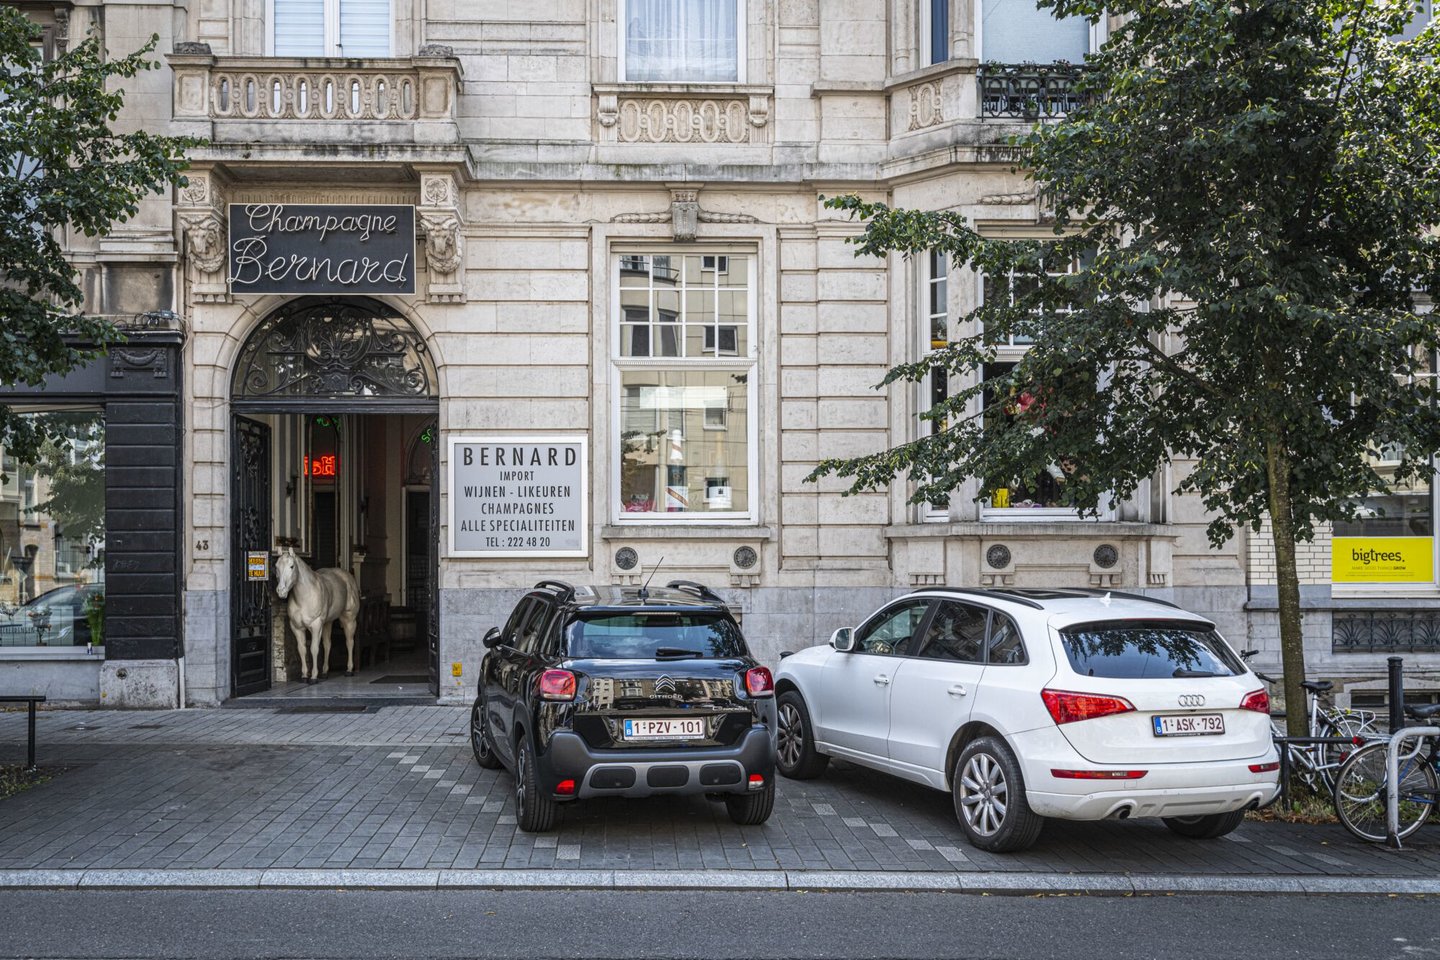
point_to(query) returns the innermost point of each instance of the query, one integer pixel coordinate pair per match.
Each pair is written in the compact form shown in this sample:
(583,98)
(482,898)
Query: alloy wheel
(983,794)
(477,735)
(521,772)
(790,736)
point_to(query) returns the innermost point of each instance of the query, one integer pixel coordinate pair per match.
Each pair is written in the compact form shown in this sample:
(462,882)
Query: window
(935,333)
(1424,11)
(682,41)
(330,28)
(642,636)
(1019,31)
(684,374)
(1041,496)
(52,538)
(956,633)
(934,31)
(1150,650)
(1005,645)
(892,630)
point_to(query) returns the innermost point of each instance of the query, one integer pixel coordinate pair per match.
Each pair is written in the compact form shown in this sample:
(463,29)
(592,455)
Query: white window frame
(1011,353)
(926,20)
(930,512)
(741,50)
(746,363)
(1099,32)
(331,39)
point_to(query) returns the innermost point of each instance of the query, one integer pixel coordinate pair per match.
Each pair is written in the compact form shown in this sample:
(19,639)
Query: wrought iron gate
(250,599)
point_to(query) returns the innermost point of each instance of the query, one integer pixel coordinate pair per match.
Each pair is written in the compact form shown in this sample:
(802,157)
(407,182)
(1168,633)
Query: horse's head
(287,568)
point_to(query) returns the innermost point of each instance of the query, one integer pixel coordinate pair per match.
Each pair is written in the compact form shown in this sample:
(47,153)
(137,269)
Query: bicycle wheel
(1360,793)
(1329,756)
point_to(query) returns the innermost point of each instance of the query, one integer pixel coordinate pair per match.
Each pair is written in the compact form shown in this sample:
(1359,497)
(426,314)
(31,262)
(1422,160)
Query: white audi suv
(1027,704)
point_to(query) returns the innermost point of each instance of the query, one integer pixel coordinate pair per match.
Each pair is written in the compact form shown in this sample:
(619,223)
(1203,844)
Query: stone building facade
(620,237)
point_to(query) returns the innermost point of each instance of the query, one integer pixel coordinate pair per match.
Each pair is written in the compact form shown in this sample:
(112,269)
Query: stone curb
(1104,884)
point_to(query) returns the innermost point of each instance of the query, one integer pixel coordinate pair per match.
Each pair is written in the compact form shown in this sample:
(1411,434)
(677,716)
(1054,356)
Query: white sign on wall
(519,496)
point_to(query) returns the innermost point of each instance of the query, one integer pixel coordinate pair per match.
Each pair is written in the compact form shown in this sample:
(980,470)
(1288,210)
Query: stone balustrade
(319,99)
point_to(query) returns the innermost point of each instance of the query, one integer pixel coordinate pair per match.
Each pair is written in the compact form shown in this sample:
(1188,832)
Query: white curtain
(300,28)
(1017,31)
(364,28)
(681,40)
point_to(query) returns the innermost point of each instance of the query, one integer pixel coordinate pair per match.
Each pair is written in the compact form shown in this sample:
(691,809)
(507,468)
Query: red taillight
(565,788)
(759,682)
(1068,707)
(1264,767)
(557,685)
(757,781)
(1097,774)
(1257,700)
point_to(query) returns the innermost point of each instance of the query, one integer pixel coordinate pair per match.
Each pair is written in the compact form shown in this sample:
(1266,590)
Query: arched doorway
(329,396)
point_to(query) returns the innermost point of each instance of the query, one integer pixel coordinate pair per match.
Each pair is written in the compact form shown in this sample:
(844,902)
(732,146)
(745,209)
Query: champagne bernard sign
(518,497)
(322,248)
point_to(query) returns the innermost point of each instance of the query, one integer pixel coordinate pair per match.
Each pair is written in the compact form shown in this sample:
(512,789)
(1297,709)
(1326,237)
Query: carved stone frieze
(926,108)
(436,190)
(662,118)
(153,360)
(204,240)
(197,190)
(684,215)
(443,242)
(443,222)
(1008,199)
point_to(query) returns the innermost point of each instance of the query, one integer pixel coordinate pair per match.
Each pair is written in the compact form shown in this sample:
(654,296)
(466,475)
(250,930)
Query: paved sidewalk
(392,797)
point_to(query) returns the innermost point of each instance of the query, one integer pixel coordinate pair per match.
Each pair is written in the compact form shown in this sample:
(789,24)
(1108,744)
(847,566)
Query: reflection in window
(682,41)
(52,537)
(683,441)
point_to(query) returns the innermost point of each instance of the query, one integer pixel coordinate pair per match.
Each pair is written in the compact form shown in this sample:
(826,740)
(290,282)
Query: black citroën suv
(623,691)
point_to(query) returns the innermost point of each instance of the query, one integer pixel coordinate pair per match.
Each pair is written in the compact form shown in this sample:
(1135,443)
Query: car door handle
(881,680)
(957,689)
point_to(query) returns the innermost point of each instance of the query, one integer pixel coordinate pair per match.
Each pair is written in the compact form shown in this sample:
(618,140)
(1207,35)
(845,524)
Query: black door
(432,595)
(250,599)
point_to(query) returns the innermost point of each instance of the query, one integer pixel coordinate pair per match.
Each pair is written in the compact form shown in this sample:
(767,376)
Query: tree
(63,169)
(1247,197)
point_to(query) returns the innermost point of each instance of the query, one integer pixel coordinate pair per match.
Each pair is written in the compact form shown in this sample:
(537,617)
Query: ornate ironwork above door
(334,349)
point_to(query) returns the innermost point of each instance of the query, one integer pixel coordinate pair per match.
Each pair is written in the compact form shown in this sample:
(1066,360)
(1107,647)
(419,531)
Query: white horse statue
(320,598)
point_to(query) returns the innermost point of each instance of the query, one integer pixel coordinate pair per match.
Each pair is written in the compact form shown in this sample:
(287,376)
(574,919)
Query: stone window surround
(744,520)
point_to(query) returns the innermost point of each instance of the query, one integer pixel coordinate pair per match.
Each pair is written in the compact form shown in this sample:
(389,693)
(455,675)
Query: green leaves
(62,168)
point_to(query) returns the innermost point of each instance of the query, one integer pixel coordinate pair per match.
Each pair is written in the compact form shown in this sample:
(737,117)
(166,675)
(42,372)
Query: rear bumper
(644,773)
(1166,790)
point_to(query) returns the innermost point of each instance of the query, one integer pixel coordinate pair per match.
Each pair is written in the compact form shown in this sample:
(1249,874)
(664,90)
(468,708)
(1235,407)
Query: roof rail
(1121,595)
(565,590)
(699,589)
(982,592)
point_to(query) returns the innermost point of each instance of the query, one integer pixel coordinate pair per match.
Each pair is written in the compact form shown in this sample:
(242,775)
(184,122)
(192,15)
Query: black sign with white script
(322,248)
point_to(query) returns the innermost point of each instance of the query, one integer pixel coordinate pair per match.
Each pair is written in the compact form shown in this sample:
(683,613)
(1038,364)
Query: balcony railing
(1385,631)
(1028,91)
(324,95)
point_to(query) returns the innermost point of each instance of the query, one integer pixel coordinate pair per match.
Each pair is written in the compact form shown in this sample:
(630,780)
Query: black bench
(30,747)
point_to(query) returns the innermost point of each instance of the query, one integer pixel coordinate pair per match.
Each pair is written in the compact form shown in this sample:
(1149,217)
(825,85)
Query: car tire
(751,809)
(1206,827)
(535,811)
(795,753)
(989,795)
(480,743)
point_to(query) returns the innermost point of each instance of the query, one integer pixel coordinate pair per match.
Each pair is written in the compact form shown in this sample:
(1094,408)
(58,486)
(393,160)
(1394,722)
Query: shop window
(684,386)
(682,41)
(52,538)
(331,28)
(934,31)
(1020,31)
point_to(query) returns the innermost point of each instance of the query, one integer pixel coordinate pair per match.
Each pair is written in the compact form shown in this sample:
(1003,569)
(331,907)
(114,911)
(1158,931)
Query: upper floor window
(330,28)
(1424,11)
(935,327)
(1019,31)
(682,41)
(934,31)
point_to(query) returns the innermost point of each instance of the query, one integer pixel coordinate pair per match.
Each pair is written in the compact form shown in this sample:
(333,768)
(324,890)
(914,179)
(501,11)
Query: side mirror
(843,639)
(492,638)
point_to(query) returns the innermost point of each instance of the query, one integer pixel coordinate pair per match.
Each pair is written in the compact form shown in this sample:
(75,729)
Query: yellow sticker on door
(1382,560)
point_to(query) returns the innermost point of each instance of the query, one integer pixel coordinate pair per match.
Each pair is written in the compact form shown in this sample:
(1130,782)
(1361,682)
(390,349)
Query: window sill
(931,72)
(670,87)
(51,653)
(679,530)
(1040,529)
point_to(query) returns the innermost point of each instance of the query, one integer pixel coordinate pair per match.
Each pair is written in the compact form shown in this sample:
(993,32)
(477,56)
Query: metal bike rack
(1392,779)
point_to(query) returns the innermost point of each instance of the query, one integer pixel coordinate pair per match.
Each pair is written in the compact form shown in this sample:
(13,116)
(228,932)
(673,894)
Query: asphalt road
(582,924)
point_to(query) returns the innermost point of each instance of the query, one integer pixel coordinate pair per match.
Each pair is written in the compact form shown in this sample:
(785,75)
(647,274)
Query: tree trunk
(1287,579)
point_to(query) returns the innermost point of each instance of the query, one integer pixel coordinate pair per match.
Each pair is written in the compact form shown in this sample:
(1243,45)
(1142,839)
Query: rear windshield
(645,636)
(1148,649)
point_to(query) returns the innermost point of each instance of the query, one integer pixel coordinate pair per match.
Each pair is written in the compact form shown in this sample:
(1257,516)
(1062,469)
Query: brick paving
(396,788)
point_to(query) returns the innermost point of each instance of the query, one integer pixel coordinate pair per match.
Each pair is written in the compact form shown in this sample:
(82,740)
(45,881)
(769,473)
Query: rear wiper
(676,653)
(1182,672)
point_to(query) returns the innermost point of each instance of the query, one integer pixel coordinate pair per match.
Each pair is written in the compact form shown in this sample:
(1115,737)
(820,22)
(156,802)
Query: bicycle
(1360,792)
(1316,764)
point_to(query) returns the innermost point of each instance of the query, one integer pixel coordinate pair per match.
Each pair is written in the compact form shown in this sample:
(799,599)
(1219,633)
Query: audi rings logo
(1192,700)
